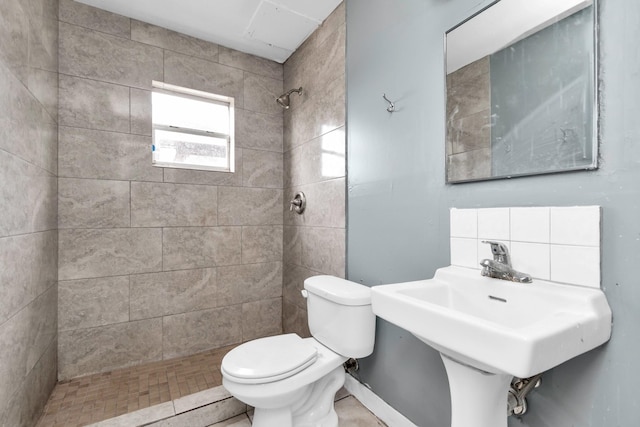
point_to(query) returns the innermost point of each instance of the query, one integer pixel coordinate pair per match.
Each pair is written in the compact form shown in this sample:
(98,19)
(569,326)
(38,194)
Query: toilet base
(313,406)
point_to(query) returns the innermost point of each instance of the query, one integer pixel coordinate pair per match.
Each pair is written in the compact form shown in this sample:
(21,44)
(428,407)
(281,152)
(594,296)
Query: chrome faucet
(500,266)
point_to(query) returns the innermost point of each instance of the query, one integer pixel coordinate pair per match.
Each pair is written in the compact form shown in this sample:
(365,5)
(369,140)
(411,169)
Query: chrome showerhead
(283,100)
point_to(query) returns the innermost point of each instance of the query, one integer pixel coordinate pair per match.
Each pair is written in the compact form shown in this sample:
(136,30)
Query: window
(192,129)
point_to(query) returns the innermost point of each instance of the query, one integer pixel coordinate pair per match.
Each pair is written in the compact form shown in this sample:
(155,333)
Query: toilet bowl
(292,381)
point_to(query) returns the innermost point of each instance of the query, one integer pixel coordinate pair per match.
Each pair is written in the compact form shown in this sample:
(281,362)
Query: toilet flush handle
(304,293)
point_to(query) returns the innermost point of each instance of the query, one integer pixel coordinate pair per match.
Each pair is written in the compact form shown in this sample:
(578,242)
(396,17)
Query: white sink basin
(494,325)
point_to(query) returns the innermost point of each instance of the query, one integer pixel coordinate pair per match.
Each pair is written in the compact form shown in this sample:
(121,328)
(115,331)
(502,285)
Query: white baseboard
(372,402)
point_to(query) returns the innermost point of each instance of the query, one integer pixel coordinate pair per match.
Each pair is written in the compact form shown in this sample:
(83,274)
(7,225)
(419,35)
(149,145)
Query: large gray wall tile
(195,73)
(293,284)
(261,243)
(201,330)
(43,42)
(14,38)
(23,340)
(99,56)
(88,303)
(85,253)
(95,154)
(320,159)
(92,104)
(324,250)
(28,267)
(89,203)
(26,127)
(258,130)
(27,197)
(93,18)
(249,206)
(43,85)
(196,247)
(140,111)
(85,351)
(292,245)
(161,294)
(166,205)
(251,63)
(325,205)
(260,94)
(261,319)
(294,320)
(262,169)
(250,282)
(167,39)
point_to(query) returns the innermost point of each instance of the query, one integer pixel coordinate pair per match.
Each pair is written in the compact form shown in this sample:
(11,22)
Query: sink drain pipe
(517,395)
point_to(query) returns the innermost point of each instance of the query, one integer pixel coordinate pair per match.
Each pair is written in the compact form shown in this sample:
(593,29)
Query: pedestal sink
(489,330)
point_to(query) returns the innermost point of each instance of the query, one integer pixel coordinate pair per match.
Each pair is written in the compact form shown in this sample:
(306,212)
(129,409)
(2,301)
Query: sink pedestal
(478,399)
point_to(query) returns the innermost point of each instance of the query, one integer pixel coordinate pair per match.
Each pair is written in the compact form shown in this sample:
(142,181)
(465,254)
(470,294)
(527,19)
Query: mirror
(521,90)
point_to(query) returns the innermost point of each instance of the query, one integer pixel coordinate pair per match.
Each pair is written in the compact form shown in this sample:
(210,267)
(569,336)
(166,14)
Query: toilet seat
(268,359)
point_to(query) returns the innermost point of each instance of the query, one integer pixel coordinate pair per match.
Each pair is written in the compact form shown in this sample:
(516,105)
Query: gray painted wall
(398,204)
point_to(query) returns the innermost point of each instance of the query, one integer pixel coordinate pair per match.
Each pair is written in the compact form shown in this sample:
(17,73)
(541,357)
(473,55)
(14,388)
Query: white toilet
(292,381)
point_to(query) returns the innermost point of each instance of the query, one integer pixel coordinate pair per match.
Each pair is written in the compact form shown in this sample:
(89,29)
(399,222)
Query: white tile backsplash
(561,244)
(576,226)
(530,225)
(493,224)
(464,223)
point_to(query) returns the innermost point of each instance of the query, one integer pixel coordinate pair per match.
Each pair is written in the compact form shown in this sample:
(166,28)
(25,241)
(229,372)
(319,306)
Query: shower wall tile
(29,399)
(261,244)
(192,332)
(316,116)
(294,320)
(85,351)
(100,20)
(323,250)
(86,253)
(262,169)
(171,40)
(100,56)
(29,263)
(261,319)
(198,247)
(43,42)
(250,282)
(89,203)
(88,303)
(92,104)
(27,197)
(14,38)
(320,159)
(192,245)
(170,205)
(325,205)
(43,85)
(314,162)
(250,63)
(260,93)
(140,110)
(192,176)
(199,74)
(249,206)
(259,131)
(174,292)
(24,339)
(85,153)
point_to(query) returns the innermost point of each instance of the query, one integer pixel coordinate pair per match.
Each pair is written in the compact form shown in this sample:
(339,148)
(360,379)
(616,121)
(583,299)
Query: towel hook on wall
(392,107)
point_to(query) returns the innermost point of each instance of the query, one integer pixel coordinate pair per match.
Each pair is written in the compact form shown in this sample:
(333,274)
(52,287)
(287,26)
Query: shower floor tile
(85,400)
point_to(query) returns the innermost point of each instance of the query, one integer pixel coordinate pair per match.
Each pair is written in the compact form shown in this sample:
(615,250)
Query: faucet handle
(500,252)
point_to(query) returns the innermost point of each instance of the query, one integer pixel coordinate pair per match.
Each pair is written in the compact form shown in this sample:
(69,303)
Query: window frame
(183,92)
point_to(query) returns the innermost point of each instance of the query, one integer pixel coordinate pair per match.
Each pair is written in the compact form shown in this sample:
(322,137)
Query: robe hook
(391,108)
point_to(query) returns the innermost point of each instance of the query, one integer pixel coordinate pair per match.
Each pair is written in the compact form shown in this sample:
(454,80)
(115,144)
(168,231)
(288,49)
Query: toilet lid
(268,359)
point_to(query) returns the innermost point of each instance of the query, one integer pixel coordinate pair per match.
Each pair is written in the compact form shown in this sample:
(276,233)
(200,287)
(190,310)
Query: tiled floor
(93,398)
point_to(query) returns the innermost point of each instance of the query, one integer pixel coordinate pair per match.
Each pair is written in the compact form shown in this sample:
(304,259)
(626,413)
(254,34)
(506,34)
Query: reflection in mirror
(521,90)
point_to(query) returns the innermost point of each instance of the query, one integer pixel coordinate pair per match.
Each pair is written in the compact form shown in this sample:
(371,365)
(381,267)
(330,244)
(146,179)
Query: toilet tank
(340,316)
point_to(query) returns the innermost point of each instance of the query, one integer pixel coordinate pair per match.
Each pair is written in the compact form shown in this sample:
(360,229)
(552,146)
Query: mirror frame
(595,131)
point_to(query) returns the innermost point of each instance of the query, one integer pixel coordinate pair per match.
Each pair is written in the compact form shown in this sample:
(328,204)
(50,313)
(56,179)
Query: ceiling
(271,29)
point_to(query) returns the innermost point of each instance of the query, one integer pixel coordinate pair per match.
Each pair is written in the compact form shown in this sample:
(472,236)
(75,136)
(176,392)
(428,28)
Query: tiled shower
(108,262)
